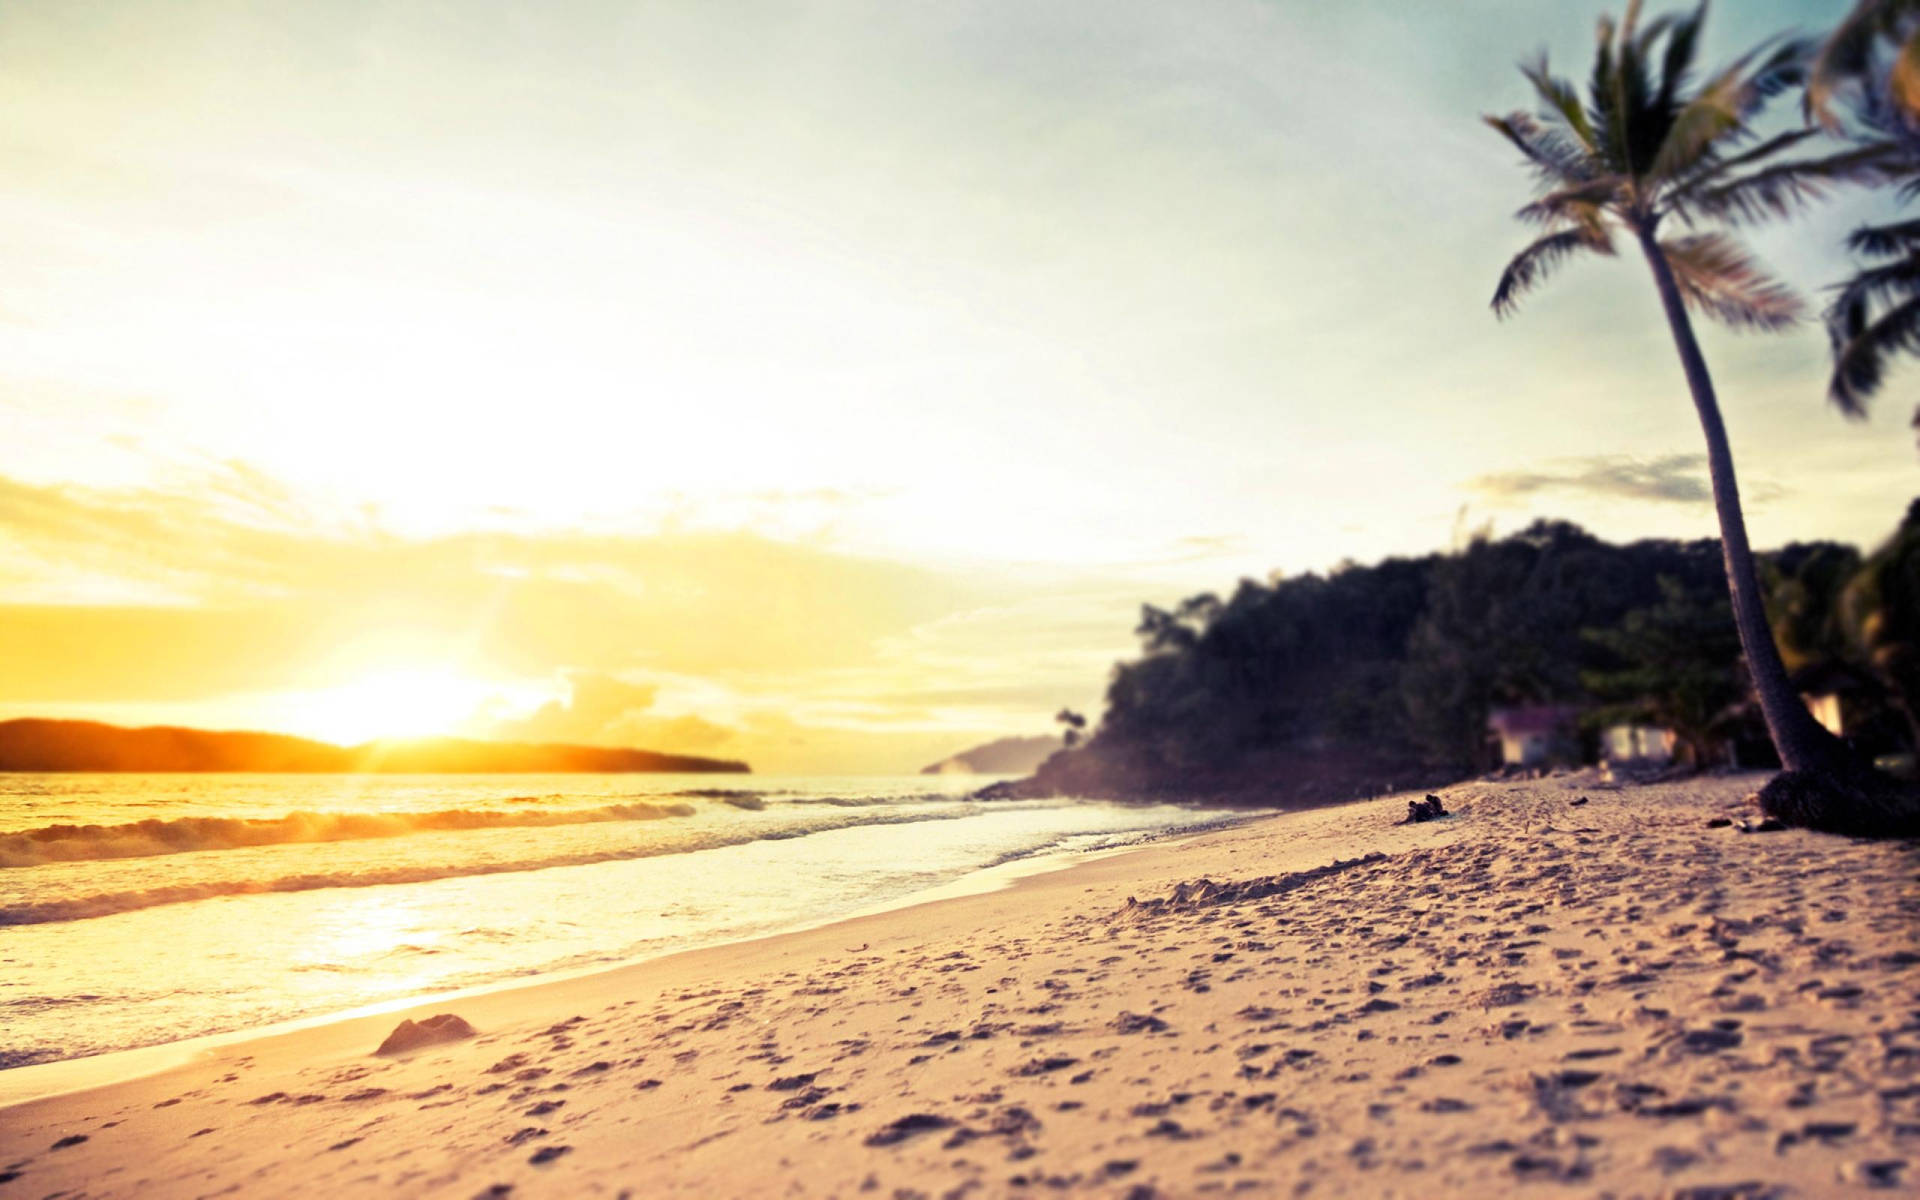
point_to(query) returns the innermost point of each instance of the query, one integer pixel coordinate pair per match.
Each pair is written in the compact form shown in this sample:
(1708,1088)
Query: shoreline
(345,911)
(1565,983)
(66,1076)
(24,1084)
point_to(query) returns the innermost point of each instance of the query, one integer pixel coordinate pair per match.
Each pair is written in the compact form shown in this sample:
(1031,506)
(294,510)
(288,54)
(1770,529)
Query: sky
(819,384)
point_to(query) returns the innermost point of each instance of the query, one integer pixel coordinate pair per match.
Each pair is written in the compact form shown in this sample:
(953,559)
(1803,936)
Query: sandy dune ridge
(1538,995)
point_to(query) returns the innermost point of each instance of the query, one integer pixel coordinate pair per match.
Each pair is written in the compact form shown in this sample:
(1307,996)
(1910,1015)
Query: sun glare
(389,704)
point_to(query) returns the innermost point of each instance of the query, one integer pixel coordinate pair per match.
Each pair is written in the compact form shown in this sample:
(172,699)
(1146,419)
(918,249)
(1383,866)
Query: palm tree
(1074,726)
(1649,149)
(1870,66)
(1875,54)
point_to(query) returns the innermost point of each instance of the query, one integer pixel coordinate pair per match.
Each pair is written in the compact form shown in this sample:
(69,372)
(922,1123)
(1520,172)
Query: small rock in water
(411,1035)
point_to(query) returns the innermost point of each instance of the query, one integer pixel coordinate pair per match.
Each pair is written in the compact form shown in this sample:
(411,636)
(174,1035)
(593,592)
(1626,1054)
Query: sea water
(142,909)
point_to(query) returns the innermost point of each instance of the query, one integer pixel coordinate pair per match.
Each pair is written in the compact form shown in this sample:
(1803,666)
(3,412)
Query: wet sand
(1610,997)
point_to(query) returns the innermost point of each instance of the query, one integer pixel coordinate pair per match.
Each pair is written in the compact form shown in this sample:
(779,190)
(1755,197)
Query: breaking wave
(103,904)
(185,835)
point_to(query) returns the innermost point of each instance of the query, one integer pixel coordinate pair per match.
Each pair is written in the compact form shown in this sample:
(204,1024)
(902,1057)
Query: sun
(395,703)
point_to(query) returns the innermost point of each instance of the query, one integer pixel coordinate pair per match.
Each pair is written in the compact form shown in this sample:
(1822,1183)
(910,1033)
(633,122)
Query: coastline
(60,1077)
(1052,1035)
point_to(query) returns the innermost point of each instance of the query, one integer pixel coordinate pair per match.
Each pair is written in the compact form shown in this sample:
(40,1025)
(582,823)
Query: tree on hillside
(1869,70)
(1274,665)
(1677,664)
(1496,631)
(1881,610)
(1804,583)
(1073,726)
(1649,146)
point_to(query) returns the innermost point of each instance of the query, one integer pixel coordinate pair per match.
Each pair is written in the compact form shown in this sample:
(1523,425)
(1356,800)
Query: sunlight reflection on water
(159,972)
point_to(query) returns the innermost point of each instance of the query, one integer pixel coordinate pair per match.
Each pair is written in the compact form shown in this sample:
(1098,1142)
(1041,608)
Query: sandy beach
(1567,987)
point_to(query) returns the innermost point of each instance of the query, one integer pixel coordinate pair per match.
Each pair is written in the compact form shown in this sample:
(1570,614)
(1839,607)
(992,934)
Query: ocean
(137,910)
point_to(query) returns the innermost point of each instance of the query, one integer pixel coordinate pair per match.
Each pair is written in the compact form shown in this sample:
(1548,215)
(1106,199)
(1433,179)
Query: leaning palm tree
(1868,70)
(1654,158)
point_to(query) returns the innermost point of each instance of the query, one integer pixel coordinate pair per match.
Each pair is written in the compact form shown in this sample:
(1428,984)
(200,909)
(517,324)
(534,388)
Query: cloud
(682,735)
(202,604)
(535,602)
(606,710)
(824,738)
(1665,479)
(595,703)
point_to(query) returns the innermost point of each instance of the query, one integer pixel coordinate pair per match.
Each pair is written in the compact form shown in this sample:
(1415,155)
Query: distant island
(1006,756)
(37,744)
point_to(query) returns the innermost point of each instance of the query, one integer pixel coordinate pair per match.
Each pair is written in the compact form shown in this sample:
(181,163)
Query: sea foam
(74,907)
(186,835)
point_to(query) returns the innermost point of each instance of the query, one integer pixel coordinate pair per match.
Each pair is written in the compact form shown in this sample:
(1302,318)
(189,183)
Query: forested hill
(1321,687)
(33,744)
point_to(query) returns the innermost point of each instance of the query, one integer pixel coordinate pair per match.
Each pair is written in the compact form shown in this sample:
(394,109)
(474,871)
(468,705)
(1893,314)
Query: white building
(1637,744)
(1535,735)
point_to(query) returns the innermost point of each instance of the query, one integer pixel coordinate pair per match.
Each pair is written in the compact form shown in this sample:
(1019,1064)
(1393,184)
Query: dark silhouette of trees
(1497,630)
(1073,726)
(1273,665)
(1403,659)
(1804,584)
(1504,619)
(1389,672)
(1676,664)
(1880,612)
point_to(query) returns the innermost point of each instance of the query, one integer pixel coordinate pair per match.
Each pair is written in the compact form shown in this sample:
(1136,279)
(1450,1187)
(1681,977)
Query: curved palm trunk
(1802,742)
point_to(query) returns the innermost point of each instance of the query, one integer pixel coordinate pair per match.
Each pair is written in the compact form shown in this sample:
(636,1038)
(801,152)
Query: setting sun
(398,703)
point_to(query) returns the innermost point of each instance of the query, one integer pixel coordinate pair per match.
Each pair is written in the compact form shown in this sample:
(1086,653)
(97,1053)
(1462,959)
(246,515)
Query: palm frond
(1716,277)
(1848,53)
(1872,288)
(1784,69)
(1609,104)
(1785,188)
(1555,157)
(1532,265)
(1879,241)
(1641,128)
(1712,114)
(1712,166)
(1580,202)
(1724,105)
(1903,78)
(1647,35)
(1677,64)
(1862,351)
(1843,56)
(1562,99)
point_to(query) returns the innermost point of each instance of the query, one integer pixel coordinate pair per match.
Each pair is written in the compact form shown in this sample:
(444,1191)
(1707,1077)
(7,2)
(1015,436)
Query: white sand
(1533,996)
